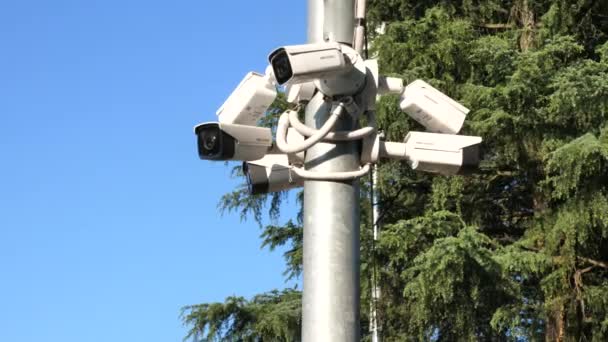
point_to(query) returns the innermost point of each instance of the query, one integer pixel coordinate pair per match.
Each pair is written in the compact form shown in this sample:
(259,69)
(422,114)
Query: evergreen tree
(517,251)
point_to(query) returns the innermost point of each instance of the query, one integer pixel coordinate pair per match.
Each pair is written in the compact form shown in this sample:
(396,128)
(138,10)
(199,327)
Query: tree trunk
(524,16)
(556,325)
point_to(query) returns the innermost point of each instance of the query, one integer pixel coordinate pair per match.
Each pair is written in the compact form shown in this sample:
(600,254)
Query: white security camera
(446,154)
(270,174)
(221,141)
(249,101)
(336,69)
(442,153)
(307,62)
(432,108)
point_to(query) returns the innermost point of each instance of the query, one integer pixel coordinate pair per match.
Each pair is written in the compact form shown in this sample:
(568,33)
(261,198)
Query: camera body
(249,101)
(304,63)
(334,68)
(446,154)
(432,108)
(223,141)
(270,174)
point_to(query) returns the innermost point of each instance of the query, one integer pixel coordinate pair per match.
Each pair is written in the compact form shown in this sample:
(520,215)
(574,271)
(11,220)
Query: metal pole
(330,302)
(331,20)
(373,324)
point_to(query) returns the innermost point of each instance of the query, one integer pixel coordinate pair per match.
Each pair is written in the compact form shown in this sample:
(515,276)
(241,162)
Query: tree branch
(501,26)
(497,26)
(597,263)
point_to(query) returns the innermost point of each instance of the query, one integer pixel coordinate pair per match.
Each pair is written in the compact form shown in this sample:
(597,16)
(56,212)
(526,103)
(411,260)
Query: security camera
(442,153)
(249,101)
(432,108)
(270,174)
(336,69)
(222,141)
(307,62)
(446,154)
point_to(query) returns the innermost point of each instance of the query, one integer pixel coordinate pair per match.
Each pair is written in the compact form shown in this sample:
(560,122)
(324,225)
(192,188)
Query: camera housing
(270,174)
(334,68)
(249,102)
(307,62)
(222,141)
(446,154)
(432,108)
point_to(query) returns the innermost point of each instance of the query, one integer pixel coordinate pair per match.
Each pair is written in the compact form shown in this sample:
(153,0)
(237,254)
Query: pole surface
(373,322)
(330,301)
(331,20)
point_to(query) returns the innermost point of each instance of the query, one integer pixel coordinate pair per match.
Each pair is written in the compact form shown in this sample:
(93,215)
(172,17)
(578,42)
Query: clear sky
(108,219)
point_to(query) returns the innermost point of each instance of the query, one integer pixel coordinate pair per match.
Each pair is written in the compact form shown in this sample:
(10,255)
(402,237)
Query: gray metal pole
(331,20)
(330,302)
(373,322)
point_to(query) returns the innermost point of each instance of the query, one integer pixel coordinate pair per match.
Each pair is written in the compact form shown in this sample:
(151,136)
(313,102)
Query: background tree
(516,251)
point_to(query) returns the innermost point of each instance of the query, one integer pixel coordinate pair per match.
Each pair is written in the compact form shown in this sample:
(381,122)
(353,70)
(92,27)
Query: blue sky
(108,220)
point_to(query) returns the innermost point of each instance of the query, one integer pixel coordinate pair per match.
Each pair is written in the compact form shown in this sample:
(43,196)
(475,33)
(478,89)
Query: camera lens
(214,143)
(281,67)
(209,140)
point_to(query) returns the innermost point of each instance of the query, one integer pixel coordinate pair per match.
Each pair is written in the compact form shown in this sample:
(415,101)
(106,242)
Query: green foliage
(517,251)
(577,167)
(445,43)
(452,286)
(271,316)
(289,234)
